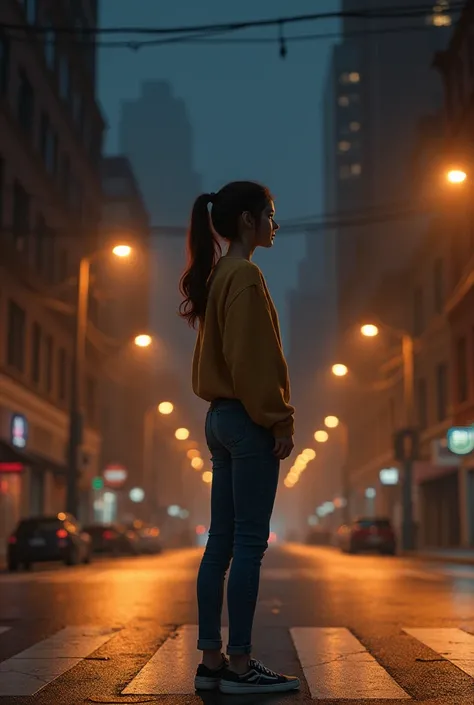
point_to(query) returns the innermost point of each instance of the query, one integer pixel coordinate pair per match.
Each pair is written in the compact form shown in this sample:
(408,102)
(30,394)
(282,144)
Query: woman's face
(266,231)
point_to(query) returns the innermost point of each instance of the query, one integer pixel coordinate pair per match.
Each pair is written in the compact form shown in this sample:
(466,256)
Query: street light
(193,453)
(369,330)
(456,176)
(207,476)
(321,436)
(122,250)
(182,434)
(165,408)
(77,378)
(339,370)
(197,463)
(331,422)
(143,340)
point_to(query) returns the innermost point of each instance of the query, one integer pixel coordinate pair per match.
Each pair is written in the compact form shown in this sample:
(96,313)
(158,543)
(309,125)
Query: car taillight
(108,535)
(61,534)
(12,540)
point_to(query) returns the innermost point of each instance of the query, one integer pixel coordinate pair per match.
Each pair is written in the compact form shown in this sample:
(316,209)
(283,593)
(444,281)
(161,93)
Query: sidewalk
(455,555)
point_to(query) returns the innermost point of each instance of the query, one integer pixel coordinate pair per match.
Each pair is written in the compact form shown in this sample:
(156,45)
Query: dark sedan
(48,538)
(368,535)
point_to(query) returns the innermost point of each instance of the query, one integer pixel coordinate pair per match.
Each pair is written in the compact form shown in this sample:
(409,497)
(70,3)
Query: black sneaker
(208,679)
(258,679)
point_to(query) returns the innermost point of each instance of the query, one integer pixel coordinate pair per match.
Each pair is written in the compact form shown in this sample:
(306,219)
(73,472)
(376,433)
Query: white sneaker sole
(235,688)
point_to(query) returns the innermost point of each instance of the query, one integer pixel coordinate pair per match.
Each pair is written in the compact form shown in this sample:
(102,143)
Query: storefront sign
(389,476)
(461,440)
(115,475)
(11,467)
(19,431)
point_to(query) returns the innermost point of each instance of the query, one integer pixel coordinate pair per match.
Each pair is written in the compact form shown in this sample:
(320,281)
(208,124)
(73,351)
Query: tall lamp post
(76,408)
(370,331)
(333,422)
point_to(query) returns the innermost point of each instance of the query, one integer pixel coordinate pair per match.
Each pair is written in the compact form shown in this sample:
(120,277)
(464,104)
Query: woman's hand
(283,447)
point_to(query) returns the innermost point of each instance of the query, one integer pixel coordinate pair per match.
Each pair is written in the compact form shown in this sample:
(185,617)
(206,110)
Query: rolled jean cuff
(209,644)
(239,650)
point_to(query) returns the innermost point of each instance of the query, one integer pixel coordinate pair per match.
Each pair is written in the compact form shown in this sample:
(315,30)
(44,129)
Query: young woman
(238,367)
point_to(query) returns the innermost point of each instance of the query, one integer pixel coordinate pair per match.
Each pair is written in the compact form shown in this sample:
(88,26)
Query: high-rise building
(50,200)
(156,135)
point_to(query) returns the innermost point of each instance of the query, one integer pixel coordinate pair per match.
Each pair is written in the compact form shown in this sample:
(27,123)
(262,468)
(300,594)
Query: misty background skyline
(240,100)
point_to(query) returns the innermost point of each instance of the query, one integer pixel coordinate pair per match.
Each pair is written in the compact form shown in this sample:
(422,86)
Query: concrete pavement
(356,629)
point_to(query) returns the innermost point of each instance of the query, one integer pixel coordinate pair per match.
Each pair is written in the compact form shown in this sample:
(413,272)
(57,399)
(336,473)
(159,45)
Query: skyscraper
(156,135)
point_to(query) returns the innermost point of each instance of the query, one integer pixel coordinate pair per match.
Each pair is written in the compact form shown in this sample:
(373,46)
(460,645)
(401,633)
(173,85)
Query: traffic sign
(115,475)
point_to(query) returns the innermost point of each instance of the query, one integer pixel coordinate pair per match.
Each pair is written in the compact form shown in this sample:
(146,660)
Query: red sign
(11,467)
(115,475)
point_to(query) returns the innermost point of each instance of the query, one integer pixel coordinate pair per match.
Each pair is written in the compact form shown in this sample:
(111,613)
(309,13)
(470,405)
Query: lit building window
(356,169)
(440,18)
(354,77)
(354,126)
(343,101)
(344,146)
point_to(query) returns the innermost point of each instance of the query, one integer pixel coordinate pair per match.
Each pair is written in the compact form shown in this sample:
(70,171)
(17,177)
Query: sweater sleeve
(256,362)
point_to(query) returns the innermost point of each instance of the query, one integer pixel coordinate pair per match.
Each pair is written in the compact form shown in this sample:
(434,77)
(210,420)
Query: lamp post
(408,358)
(335,422)
(76,407)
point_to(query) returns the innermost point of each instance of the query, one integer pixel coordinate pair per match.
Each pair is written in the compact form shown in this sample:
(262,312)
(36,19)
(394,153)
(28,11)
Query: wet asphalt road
(355,629)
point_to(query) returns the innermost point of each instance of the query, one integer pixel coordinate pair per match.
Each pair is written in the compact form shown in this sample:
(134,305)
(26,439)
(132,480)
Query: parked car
(113,539)
(367,535)
(148,537)
(48,538)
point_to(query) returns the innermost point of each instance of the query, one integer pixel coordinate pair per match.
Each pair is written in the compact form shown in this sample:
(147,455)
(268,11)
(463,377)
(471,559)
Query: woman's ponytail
(203,251)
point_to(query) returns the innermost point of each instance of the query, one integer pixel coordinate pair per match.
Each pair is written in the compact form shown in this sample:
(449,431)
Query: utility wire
(393,12)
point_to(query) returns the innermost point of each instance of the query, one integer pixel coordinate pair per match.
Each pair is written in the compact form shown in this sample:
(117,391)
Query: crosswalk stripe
(454,645)
(31,670)
(336,665)
(171,669)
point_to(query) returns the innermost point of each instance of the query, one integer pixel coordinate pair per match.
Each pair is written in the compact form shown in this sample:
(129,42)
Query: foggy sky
(254,115)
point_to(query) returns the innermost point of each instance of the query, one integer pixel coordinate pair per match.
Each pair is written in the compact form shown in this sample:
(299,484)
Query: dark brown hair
(203,245)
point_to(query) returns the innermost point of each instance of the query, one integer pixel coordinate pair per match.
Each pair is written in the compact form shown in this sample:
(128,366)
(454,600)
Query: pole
(345,480)
(408,532)
(76,408)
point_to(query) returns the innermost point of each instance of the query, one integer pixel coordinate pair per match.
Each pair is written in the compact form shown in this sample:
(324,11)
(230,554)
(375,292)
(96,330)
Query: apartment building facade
(50,203)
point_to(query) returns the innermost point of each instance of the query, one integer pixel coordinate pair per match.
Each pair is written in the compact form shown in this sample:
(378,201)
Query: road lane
(320,613)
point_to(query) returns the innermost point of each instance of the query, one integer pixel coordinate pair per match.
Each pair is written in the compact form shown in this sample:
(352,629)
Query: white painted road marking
(455,645)
(171,670)
(32,669)
(336,665)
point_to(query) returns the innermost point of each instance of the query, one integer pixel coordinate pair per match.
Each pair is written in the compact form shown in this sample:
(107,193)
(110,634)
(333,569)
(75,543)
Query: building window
(4,63)
(48,144)
(50,46)
(64,78)
(343,101)
(438,285)
(462,371)
(66,176)
(354,126)
(350,77)
(422,405)
(31,10)
(21,216)
(418,321)
(48,363)
(36,353)
(26,103)
(16,336)
(442,391)
(440,16)
(344,146)
(356,169)
(62,374)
